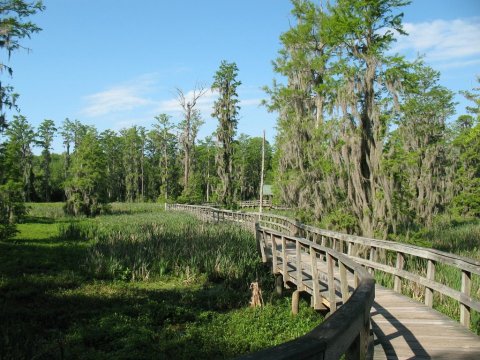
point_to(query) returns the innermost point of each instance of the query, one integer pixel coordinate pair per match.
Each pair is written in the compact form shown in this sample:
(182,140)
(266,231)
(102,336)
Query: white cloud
(204,103)
(250,102)
(123,97)
(442,41)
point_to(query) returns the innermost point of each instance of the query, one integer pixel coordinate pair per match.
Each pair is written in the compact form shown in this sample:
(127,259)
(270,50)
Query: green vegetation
(67,288)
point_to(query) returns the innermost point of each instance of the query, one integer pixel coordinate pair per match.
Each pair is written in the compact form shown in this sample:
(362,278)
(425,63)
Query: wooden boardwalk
(402,327)
(326,265)
(406,329)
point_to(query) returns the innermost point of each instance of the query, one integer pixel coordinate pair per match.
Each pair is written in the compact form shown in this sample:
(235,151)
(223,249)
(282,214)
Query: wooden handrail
(346,243)
(347,330)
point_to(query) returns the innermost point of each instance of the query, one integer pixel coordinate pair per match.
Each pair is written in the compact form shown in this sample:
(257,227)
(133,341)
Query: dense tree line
(363,141)
(164,163)
(134,164)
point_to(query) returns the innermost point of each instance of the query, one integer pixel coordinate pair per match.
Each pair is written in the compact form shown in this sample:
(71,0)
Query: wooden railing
(254,203)
(407,262)
(415,271)
(297,261)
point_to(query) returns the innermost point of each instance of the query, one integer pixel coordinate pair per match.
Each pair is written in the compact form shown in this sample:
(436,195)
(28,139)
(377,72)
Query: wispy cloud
(204,104)
(124,97)
(250,102)
(443,41)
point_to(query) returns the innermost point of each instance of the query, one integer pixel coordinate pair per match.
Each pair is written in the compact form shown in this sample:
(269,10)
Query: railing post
(343,282)
(359,348)
(373,257)
(274,254)
(430,276)
(331,284)
(279,284)
(464,309)
(259,234)
(317,303)
(350,249)
(284,261)
(397,286)
(298,265)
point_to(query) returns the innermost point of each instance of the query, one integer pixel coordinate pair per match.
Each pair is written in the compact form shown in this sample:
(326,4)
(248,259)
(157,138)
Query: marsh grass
(68,289)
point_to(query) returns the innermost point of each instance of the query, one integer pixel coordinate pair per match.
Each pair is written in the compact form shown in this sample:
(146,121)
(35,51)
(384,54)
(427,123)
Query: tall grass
(142,246)
(46,210)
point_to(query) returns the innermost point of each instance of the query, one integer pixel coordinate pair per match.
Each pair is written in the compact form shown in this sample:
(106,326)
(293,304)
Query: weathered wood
(430,276)
(331,284)
(411,321)
(279,284)
(444,289)
(343,282)
(260,243)
(295,301)
(317,302)
(464,308)
(298,265)
(284,261)
(373,258)
(274,254)
(397,286)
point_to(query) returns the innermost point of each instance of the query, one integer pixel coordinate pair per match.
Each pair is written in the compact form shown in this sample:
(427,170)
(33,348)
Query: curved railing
(425,274)
(345,285)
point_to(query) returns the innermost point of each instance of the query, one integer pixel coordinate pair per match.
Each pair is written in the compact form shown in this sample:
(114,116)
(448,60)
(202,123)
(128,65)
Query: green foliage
(177,317)
(18,154)
(248,164)
(86,188)
(467,177)
(14,27)
(12,208)
(46,132)
(225,109)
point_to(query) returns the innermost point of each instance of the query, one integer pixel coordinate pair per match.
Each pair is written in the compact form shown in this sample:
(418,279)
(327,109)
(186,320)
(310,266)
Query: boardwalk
(407,329)
(402,327)
(327,266)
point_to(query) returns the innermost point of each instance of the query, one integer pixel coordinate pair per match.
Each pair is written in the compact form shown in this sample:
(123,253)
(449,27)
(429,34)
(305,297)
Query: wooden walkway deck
(406,329)
(402,327)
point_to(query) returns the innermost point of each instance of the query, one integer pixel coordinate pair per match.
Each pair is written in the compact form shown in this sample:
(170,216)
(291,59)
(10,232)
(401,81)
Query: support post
(373,258)
(343,282)
(317,301)
(331,284)
(295,301)
(279,284)
(259,234)
(397,286)
(298,265)
(430,276)
(464,309)
(274,254)
(284,261)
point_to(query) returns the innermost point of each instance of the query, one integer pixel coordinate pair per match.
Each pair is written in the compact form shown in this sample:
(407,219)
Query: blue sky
(116,63)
